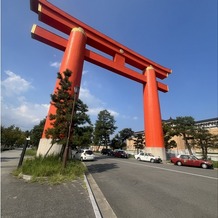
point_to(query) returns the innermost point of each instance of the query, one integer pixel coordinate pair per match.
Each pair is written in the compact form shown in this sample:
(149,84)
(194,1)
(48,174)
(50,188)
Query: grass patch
(215,164)
(50,170)
(31,152)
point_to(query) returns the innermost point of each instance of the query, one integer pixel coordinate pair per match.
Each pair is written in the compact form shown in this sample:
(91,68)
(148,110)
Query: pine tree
(104,127)
(63,101)
(185,127)
(139,142)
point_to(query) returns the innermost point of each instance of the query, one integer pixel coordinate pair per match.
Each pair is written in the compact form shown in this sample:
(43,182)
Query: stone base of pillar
(44,146)
(157,151)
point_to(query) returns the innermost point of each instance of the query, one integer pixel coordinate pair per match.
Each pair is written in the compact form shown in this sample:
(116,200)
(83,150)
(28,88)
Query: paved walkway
(23,199)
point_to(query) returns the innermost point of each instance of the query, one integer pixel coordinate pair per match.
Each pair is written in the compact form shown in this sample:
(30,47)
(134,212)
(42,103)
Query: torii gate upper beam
(121,55)
(116,65)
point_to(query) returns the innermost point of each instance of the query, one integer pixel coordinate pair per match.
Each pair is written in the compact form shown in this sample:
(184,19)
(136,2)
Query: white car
(142,156)
(84,154)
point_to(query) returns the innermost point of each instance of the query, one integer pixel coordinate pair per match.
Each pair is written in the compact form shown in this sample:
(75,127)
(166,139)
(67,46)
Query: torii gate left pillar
(75,53)
(73,60)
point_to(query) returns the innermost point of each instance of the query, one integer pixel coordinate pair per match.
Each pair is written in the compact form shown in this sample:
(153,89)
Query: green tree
(125,134)
(116,142)
(169,133)
(61,121)
(36,133)
(119,140)
(12,137)
(185,127)
(139,142)
(82,136)
(104,128)
(204,139)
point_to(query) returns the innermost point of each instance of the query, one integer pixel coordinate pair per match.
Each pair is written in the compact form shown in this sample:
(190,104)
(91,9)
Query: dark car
(191,160)
(110,153)
(120,153)
(105,151)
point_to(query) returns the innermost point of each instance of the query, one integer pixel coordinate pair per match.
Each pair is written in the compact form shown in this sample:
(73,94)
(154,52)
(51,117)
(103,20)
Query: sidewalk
(22,199)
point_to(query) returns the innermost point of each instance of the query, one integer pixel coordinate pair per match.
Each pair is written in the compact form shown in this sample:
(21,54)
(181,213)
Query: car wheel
(204,166)
(179,163)
(81,159)
(152,160)
(139,158)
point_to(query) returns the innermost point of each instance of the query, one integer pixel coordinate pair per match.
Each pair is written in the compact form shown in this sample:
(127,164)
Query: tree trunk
(62,151)
(203,151)
(187,145)
(206,152)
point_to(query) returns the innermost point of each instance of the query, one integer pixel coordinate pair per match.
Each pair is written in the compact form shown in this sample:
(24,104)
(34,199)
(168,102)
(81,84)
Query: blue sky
(178,34)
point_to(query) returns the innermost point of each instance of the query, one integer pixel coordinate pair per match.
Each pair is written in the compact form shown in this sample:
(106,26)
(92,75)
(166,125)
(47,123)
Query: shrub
(50,169)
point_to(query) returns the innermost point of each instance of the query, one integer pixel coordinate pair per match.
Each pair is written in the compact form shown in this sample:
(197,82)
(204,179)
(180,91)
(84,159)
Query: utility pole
(66,150)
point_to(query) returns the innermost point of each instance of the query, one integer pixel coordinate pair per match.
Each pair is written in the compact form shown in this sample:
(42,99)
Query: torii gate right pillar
(152,116)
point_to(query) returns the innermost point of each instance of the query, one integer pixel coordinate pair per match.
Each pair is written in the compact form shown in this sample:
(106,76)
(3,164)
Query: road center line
(175,171)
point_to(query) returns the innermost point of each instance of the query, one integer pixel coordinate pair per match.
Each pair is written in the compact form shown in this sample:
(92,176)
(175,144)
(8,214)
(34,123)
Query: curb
(100,201)
(93,202)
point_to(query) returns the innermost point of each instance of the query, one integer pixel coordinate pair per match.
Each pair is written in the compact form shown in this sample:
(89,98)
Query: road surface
(140,189)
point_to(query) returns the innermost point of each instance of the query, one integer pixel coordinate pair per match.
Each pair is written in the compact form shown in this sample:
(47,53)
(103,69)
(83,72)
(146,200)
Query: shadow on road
(98,168)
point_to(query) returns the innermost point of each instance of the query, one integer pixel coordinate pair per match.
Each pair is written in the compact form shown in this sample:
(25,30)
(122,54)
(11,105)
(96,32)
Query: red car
(190,160)
(120,153)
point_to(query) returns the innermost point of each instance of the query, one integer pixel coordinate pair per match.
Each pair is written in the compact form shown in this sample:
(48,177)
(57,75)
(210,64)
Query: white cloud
(25,115)
(89,99)
(85,72)
(19,111)
(95,111)
(95,105)
(135,118)
(14,84)
(55,64)
(16,110)
(113,113)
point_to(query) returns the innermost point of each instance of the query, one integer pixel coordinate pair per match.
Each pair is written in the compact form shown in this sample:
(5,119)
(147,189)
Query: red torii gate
(75,52)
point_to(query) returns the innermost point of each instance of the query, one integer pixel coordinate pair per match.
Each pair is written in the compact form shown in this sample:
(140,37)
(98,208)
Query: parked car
(191,160)
(105,151)
(84,154)
(111,153)
(142,156)
(121,154)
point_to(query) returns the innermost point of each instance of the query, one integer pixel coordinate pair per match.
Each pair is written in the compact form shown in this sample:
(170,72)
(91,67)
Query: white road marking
(175,171)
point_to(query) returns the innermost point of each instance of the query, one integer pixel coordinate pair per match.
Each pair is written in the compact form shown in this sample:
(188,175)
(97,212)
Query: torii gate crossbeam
(75,52)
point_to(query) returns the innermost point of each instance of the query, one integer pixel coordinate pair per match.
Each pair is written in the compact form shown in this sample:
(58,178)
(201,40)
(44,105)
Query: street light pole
(66,150)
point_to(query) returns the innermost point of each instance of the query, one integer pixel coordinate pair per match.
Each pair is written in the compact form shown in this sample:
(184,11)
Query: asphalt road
(140,190)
